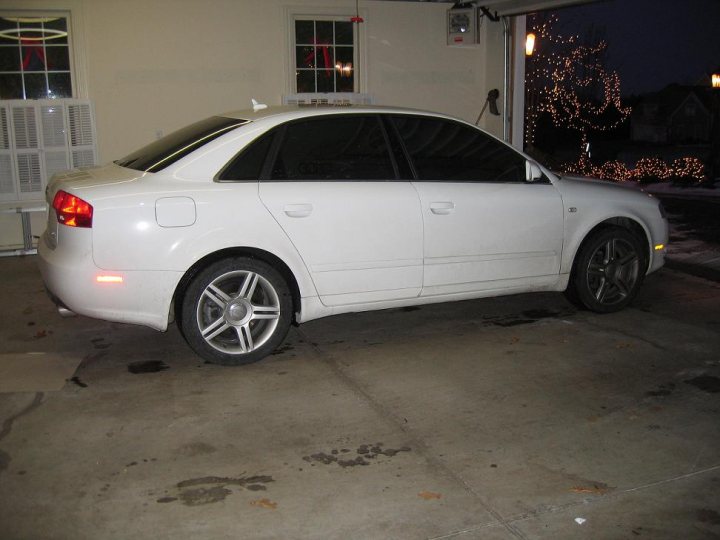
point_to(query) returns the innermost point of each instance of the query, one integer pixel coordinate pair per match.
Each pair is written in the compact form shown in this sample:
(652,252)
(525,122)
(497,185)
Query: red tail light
(72,211)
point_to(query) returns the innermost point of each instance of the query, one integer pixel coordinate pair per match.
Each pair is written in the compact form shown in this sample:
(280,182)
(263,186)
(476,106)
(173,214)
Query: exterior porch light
(715,80)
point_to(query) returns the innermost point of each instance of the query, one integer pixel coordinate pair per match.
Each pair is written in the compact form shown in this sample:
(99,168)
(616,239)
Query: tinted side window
(334,148)
(166,151)
(446,150)
(248,164)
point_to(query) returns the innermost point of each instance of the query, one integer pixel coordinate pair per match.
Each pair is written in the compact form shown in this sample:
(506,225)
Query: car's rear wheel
(608,271)
(236,311)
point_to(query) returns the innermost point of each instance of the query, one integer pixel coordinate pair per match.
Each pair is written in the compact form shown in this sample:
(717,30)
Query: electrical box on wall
(463,28)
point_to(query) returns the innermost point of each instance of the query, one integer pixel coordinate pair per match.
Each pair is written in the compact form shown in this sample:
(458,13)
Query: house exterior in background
(675,115)
(120,74)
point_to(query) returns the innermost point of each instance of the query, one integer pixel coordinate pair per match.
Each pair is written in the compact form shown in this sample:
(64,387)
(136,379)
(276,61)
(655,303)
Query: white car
(241,224)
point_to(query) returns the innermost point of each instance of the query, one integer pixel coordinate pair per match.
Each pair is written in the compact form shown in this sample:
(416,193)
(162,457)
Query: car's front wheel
(236,311)
(609,270)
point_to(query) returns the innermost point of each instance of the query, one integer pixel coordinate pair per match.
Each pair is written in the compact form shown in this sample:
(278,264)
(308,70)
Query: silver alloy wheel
(238,312)
(613,271)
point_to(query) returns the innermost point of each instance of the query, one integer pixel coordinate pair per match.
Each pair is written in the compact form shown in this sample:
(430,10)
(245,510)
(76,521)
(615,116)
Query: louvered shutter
(39,138)
(54,139)
(27,151)
(82,135)
(8,191)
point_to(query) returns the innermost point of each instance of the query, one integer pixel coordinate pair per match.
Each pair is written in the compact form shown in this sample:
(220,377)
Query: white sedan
(239,225)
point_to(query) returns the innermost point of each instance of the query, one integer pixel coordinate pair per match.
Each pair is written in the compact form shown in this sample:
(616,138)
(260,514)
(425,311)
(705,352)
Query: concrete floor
(493,419)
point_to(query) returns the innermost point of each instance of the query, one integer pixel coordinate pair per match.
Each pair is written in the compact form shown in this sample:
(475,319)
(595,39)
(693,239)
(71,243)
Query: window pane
(11,86)
(305,57)
(344,76)
(343,33)
(31,31)
(344,82)
(35,86)
(58,58)
(340,148)
(60,85)
(325,57)
(324,32)
(305,80)
(33,58)
(54,30)
(249,163)
(6,25)
(304,33)
(447,150)
(9,59)
(326,80)
(163,152)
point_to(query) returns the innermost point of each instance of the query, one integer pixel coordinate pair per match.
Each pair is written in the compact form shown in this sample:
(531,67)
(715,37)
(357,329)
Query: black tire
(609,270)
(236,311)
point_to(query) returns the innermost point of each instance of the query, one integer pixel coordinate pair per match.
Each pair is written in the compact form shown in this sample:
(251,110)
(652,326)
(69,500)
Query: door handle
(298,210)
(442,208)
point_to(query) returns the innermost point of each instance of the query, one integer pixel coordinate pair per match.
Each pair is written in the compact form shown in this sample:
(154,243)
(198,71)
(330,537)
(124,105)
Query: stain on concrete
(200,496)
(7,426)
(76,380)
(4,460)
(706,383)
(365,453)
(196,449)
(98,343)
(705,515)
(662,390)
(147,366)
(527,317)
(213,489)
(282,350)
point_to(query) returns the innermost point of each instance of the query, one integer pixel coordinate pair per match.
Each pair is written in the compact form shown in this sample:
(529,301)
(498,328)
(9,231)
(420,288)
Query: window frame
(77,83)
(325,14)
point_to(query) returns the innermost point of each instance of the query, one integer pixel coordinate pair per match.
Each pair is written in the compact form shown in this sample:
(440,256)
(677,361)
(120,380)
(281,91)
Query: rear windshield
(156,156)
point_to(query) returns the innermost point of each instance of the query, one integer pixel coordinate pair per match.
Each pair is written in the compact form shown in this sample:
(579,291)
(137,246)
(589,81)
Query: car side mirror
(532,172)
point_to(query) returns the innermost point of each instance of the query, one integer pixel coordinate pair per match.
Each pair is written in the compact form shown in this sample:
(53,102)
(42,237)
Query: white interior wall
(152,66)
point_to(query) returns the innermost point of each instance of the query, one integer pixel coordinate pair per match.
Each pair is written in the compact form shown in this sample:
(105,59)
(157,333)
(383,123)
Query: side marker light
(109,279)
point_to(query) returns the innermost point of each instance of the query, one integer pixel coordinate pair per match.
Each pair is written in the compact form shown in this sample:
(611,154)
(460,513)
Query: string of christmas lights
(567,80)
(687,169)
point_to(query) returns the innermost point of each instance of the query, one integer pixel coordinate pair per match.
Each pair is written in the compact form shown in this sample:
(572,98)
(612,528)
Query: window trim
(325,13)
(73,12)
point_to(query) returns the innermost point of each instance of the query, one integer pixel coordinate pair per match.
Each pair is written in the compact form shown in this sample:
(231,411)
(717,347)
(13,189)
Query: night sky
(652,43)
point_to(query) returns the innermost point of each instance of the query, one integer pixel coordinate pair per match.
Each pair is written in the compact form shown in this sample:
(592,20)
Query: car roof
(304,111)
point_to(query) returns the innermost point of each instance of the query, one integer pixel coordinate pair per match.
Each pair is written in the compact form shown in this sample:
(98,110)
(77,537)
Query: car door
(485,226)
(332,188)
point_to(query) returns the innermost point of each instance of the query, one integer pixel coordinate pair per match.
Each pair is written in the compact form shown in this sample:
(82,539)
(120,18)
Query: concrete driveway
(516,417)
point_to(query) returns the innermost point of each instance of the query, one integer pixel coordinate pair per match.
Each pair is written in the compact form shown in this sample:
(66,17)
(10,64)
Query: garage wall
(151,66)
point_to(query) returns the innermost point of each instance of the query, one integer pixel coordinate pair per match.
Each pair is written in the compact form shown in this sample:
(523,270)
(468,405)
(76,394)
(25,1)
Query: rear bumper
(70,275)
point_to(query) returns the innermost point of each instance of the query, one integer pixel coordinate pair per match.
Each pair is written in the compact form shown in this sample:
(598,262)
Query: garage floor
(496,419)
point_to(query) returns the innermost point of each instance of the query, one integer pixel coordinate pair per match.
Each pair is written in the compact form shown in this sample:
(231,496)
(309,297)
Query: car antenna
(257,106)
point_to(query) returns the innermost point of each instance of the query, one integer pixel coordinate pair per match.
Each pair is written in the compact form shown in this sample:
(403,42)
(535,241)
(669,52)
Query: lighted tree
(568,80)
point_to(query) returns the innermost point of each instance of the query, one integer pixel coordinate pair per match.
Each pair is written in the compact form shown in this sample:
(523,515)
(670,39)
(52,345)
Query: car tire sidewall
(580,288)
(189,324)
